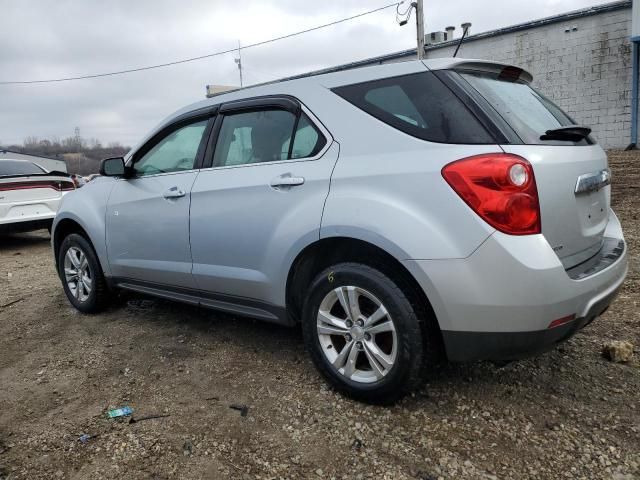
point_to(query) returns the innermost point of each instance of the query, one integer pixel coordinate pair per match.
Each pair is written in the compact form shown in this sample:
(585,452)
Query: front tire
(81,275)
(363,334)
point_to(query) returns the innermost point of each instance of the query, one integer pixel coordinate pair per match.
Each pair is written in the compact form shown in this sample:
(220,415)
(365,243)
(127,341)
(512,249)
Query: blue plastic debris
(120,412)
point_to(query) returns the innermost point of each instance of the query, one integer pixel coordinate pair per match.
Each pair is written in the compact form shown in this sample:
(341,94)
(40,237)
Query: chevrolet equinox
(398,213)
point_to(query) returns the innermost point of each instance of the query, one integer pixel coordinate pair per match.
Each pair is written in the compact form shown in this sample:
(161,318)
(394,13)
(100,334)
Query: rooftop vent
(449,34)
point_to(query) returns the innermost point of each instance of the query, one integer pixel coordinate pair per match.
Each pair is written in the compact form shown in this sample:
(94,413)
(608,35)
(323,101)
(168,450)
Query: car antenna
(465,29)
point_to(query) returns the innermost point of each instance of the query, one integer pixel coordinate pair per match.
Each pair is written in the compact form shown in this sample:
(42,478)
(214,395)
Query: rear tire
(373,353)
(81,275)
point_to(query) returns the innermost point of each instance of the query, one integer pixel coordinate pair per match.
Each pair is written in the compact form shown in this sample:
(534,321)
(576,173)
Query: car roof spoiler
(505,71)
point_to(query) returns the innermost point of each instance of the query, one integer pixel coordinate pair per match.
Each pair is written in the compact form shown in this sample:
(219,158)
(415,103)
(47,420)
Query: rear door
(148,214)
(261,198)
(572,176)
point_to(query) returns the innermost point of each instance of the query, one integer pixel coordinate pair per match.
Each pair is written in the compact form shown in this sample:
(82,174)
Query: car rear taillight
(499,187)
(67,186)
(60,186)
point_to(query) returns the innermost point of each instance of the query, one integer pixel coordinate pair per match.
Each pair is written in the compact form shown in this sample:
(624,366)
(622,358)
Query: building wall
(46,163)
(587,71)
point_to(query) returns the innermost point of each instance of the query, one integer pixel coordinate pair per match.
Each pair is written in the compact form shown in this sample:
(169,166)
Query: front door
(148,213)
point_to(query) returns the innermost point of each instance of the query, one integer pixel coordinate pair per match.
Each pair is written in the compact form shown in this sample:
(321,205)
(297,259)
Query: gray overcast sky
(47,39)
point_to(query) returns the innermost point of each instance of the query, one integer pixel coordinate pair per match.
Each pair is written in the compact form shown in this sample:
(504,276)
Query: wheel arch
(325,252)
(63,228)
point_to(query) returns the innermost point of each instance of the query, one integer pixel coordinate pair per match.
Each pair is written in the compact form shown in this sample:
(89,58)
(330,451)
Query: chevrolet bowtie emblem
(592,182)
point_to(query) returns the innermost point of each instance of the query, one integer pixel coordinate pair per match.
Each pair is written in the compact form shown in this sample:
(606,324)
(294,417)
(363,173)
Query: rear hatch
(571,170)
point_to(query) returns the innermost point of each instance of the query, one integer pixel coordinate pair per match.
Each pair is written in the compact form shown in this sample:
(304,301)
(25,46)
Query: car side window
(174,153)
(265,136)
(418,104)
(254,137)
(308,141)
(393,99)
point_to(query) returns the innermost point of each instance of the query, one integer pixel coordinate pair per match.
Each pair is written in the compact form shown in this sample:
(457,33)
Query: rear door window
(266,136)
(419,105)
(527,111)
(307,141)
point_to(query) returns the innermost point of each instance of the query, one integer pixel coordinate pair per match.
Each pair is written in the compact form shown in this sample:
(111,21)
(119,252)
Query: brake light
(500,188)
(67,186)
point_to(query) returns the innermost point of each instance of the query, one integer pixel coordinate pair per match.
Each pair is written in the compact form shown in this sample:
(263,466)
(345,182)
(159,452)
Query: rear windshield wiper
(573,133)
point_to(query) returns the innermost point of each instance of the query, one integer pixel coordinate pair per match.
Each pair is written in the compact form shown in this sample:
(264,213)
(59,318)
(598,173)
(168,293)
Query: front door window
(174,153)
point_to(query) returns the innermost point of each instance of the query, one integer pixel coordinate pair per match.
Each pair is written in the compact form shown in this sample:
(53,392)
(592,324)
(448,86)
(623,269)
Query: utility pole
(420,28)
(239,62)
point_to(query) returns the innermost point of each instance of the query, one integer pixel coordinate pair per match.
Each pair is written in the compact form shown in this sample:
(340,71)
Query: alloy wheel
(77,273)
(357,335)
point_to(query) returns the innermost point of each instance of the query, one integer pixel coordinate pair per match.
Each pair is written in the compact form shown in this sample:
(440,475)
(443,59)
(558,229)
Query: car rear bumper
(469,346)
(500,303)
(26,225)
(32,211)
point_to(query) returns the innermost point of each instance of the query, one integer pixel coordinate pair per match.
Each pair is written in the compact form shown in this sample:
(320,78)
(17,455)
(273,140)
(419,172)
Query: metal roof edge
(562,17)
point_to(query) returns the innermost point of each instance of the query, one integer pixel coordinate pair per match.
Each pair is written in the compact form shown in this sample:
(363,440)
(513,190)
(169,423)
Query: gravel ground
(566,414)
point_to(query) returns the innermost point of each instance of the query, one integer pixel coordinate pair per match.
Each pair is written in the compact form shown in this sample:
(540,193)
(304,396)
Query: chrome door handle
(286,181)
(174,192)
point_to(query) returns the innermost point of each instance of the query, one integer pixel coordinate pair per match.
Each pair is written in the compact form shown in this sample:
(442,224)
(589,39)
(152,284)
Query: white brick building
(582,60)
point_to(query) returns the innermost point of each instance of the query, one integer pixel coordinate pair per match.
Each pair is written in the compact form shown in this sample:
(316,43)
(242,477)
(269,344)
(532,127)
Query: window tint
(308,141)
(175,152)
(265,136)
(393,99)
(528,112)
(420,105)
(16,167)
(254,137)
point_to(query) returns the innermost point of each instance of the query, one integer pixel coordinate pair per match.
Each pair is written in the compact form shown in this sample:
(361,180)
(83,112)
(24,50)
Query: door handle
(286,180)
(174,192)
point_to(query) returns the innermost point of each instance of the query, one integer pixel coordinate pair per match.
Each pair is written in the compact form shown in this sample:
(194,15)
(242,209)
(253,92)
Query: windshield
(528,112)
(18,167)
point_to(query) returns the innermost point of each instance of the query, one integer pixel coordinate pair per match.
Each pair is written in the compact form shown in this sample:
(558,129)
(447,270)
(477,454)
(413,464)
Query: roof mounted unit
(434,37)
(216,89)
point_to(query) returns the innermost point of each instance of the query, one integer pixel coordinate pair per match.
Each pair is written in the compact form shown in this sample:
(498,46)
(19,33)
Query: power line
(201,57)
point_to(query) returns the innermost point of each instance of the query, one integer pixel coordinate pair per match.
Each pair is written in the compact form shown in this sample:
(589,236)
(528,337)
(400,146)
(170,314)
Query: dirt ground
(566,414)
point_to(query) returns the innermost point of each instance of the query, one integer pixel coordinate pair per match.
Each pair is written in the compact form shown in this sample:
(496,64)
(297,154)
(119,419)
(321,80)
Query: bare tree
(86,153)
(31,142)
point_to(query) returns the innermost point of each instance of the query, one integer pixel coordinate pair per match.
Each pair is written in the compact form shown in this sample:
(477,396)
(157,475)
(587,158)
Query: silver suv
(398,213)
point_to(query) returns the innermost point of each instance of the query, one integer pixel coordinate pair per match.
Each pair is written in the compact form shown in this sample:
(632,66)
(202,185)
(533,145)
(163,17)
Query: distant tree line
(81,155)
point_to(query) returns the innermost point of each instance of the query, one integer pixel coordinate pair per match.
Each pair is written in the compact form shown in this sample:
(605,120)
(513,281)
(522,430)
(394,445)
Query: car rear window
(528,112)
(14,167)
(420,105)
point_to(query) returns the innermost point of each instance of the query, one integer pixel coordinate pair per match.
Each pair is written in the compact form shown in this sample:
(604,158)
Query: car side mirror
(112,167)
